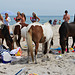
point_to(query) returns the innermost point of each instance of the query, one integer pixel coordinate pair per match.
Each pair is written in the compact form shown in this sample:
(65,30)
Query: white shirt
(7,22)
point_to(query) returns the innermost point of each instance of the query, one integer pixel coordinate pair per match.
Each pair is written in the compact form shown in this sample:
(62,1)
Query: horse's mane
(34,24)
(5,33)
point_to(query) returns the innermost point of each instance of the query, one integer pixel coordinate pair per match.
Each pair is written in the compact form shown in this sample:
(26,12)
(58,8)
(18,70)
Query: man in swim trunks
(66,17)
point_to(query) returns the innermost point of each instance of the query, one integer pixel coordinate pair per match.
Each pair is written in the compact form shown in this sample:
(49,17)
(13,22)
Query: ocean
(43,19)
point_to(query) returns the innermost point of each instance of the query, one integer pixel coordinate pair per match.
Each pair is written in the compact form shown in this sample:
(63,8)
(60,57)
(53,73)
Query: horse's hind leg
(49,43)
(2,40)
(36,49)
(73,42)
(18,41)
(67,46)
(63,45)
(45,46)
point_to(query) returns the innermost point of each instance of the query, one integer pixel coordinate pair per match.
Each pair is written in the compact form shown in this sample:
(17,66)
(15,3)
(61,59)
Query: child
(59,22)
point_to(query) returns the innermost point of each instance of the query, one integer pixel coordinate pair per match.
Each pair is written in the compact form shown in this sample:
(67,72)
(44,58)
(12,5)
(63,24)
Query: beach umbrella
(9,12)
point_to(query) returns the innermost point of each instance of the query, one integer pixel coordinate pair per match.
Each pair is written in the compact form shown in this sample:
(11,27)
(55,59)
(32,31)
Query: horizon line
(41,15)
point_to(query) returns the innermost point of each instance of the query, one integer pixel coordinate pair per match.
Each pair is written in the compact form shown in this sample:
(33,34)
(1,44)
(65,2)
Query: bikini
(33,20)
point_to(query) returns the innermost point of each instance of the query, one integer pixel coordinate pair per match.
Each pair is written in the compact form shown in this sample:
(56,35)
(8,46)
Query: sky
(40,7)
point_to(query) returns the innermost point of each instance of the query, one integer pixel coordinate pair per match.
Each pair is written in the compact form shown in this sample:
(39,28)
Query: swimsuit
(33,20)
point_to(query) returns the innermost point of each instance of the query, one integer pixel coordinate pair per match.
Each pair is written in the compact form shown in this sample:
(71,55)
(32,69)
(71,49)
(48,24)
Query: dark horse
(17,33)
(66,30)
(4,34)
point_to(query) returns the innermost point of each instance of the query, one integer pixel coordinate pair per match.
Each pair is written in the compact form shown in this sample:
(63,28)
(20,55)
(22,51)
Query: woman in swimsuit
(23,19)
(34,18)
(18,17)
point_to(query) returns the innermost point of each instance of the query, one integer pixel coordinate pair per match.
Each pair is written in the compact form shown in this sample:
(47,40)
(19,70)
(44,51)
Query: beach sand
(45,66)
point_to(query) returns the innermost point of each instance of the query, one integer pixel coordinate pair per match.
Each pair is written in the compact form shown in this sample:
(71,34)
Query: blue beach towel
(56,48)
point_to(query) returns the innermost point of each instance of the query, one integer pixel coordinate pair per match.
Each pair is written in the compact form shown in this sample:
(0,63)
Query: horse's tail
(29,43)
(52,41)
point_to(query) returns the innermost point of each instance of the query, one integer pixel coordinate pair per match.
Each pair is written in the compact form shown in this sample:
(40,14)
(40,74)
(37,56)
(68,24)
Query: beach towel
(56,48)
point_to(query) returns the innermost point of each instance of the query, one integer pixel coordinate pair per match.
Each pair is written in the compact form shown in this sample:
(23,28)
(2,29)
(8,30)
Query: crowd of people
(66,18)
(19,18)
(22,18)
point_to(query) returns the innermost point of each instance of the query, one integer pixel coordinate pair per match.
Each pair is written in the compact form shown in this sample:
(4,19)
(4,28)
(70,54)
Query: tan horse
(38,33)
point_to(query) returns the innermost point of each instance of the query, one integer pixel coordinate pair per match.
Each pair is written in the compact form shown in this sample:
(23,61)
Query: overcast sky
(40,7)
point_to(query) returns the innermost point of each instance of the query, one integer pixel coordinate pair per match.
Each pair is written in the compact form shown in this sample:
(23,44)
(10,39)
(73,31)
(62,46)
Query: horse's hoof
(62,52)
(67,52)
(27,62)
(43,60)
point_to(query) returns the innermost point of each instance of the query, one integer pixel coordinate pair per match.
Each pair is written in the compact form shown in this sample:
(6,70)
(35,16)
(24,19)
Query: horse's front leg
(73,41)
(2,40)
(67,46)
(14,41)
(45,47)
(49,45)
(36,49)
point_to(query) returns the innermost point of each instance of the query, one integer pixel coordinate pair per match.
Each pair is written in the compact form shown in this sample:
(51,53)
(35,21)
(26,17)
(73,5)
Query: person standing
(66,17)
(34,18)
(7,20)
(18,17)
(23,19)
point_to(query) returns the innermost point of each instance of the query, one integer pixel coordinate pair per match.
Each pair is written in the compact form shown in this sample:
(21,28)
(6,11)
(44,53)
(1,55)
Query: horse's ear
(74,17)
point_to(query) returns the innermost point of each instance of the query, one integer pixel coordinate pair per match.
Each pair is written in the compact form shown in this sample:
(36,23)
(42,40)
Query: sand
(45,66)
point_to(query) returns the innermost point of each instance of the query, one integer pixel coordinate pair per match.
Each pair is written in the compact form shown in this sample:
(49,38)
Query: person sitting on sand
(18,17)
(50,21)
(55,22)
(7,20)
(34,18)
(1,18)
(66,17)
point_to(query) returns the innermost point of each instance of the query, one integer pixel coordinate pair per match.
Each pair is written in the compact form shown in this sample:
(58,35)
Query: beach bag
(6,57)
(16,52)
